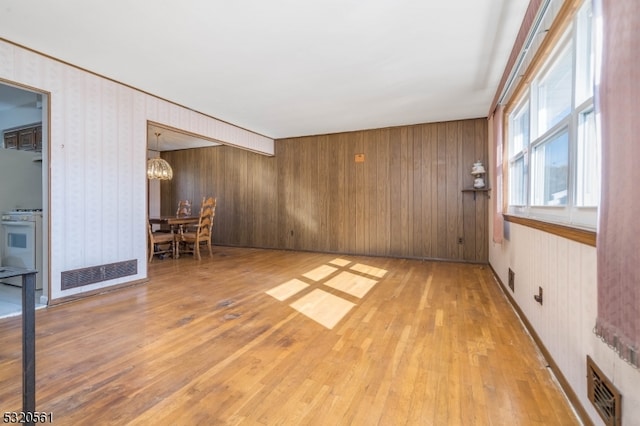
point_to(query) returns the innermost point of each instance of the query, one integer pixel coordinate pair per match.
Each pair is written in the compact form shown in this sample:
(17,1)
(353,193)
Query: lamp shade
(157,168)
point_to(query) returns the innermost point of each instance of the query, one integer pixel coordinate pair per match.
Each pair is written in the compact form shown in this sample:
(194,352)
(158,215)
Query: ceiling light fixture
(158,168)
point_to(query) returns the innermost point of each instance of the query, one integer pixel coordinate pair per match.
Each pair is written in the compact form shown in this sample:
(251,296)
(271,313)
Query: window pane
(585,57)
(550,171)
(554,93)
(519,130)
(517,188)
(588,166)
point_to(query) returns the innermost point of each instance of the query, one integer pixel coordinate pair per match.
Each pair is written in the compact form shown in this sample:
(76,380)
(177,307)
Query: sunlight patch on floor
(355,285)
(320,273)
(369,270)
(322,307)
(340,262)
(288,289)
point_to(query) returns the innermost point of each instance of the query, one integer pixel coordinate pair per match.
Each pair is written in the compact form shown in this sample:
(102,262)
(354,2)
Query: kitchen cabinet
(25,138)
(38,135)
(11,140)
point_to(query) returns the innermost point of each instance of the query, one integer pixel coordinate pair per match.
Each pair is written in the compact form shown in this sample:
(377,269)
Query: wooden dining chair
(161,243)
(184,208)
(189,241)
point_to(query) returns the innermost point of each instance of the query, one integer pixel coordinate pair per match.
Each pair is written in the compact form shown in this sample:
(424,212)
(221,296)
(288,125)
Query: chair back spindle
(184,208)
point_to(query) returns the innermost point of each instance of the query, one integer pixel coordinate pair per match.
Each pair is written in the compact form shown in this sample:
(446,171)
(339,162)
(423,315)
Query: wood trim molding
(566,387)
(583,236)
(78,296)
(560,23)
(525,28)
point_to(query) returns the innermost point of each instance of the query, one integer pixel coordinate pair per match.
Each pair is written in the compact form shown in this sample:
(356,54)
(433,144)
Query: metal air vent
(603,395)
(96,274)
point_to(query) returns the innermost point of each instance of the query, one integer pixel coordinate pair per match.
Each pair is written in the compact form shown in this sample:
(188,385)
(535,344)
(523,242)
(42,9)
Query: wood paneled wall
(404,200)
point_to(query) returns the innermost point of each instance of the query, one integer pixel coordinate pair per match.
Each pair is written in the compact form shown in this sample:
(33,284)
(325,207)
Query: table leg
(29,345)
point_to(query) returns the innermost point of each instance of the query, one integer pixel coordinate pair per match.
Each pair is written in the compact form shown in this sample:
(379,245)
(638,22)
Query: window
(518,142)
(588,167)
(554,92)
(550,171)
(585,57)
(553,146)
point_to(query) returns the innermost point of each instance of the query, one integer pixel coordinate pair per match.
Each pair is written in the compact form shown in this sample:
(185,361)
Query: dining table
(173,222)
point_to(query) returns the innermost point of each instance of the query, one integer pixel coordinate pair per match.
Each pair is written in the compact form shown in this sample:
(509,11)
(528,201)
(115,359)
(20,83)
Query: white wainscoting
(567,272)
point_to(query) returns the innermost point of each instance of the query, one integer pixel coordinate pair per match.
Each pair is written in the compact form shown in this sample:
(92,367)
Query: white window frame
(569,214)
(519,155)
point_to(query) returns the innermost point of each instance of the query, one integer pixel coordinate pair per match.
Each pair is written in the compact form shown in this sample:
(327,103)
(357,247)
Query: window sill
(579,235)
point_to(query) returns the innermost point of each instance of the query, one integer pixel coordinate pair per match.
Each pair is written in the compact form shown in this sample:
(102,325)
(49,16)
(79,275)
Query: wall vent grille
(99,273)
(603,395)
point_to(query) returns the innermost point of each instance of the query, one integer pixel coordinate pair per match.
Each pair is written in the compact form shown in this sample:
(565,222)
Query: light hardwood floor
(272,337)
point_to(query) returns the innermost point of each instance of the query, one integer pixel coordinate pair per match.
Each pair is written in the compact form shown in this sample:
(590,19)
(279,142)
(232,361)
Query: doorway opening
(24,191)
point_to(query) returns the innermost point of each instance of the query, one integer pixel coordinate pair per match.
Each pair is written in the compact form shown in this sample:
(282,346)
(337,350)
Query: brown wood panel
(285,154)
(383,193)
(255,220)
(453,164)
(470,199)
(323,242)
(431,211)
(369,187)
(417,205)
(482,207)
(294,190)
(406,189)
(404,200)
(350,191)
(396,186)
(263,193)
(225,219)
(215,160)
(308,203)
(338,202)
(442,205)
(462,145)
(361,195)
(236,196)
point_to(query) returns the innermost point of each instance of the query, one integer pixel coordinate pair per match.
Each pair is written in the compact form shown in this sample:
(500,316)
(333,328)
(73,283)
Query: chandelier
(158,168)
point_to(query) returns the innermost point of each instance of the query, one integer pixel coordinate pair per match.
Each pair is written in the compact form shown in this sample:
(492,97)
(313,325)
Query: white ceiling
(285,68)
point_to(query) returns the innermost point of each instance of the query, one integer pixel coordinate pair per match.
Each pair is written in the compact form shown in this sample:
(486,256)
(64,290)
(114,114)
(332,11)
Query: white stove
(22,215)
(22,243)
